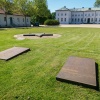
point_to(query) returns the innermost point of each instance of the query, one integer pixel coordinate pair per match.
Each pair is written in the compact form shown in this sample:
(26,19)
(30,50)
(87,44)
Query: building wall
(14,20)
(78,17)
(63,16)
(2,21)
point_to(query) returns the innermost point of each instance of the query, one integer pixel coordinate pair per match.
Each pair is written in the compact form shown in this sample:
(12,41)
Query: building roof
(16,14)
(2,11)
(85,9)
(78,9)
(63,8)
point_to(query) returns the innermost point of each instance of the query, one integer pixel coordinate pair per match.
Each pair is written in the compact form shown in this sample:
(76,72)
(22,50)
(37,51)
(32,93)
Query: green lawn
(32,75)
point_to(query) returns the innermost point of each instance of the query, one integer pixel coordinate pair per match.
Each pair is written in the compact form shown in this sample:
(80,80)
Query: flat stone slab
(12,52)
(79,71)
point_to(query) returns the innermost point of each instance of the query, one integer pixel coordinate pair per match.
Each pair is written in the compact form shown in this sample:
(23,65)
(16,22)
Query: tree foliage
(97,3)
(41,11)
(7,6)
(37,9)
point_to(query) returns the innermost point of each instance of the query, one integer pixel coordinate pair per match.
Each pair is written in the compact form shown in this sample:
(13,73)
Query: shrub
(51,22)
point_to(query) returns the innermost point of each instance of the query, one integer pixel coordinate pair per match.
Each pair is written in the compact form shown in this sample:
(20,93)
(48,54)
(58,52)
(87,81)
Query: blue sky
(57,4)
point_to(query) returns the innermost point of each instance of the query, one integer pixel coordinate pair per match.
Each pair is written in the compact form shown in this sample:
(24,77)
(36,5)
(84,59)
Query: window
(99,19)
(88,14)
(72,19)
(23,19)
(78,19)
(65,14)
(91,19)
(96,19)
(96,14)
(58,14)
(27,20)
(4,18)
(85,14)
(75,19)
(81,19)
(92,14)
(61,14)
(61,19)
(58,19)
(78,15)
(65,19)
(18,20)
(85,19)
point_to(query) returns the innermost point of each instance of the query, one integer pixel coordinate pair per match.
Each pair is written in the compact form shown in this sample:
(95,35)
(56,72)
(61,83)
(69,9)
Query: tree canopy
(37,9)
(97,3)
(7,6)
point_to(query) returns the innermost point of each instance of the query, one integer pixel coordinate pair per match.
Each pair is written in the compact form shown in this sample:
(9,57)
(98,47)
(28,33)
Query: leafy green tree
(41,12)
(97,3)
(24,7)
(7,6)
(53,15)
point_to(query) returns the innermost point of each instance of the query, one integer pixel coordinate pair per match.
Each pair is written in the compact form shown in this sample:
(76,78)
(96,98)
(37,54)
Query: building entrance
(11,21)
(88,21)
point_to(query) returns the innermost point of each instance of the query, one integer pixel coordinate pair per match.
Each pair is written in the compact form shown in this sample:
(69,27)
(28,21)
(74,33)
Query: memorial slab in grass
(12,52)
(79,71)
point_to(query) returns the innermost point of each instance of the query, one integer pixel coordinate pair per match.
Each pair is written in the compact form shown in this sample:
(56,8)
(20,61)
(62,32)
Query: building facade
(13,20)
(78,15)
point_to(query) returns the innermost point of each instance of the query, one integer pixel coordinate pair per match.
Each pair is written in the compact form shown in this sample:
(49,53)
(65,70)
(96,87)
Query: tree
(97,3)
(53,15)
(24,7)
(7,6)
(41,11)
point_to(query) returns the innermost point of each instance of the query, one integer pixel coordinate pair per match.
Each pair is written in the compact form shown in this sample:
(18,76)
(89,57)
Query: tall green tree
(7,6)
(24,7)
(97,3)
(53,15)
(41,11)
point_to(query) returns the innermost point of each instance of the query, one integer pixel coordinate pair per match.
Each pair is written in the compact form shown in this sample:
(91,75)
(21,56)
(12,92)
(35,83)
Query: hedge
(51,22)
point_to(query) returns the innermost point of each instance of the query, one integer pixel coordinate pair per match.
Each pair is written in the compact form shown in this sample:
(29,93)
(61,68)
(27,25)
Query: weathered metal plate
(28,34)
(47,34)
(12,52)
(79,70)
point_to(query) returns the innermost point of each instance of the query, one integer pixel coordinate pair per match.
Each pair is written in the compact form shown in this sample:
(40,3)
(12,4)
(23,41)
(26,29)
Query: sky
(57,4)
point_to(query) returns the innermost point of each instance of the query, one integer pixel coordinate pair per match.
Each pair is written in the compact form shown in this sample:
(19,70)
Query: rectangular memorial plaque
(12,52)
(80,71)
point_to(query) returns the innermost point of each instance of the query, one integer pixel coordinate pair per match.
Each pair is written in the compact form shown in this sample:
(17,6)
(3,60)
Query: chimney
(64,6)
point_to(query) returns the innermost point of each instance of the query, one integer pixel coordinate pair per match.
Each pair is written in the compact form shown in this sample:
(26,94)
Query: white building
(78,15)
(13,20)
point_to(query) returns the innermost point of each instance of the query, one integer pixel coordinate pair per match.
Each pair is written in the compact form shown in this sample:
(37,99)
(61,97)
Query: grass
(32,74)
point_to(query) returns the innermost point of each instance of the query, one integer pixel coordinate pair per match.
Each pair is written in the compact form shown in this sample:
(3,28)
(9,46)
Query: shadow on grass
(97,76)
(23,27)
